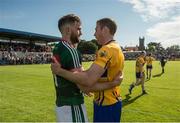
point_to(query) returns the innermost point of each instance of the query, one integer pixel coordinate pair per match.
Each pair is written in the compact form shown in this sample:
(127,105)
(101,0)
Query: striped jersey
(111,58)
(67,93)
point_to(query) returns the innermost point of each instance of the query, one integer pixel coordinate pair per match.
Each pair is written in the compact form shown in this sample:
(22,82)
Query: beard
(74,38)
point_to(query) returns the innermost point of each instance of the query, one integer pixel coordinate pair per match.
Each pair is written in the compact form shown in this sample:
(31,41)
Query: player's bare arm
(103,86)
(86,78)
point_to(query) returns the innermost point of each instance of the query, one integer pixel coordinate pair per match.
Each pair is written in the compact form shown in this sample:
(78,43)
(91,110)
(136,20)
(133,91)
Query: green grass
(27,94)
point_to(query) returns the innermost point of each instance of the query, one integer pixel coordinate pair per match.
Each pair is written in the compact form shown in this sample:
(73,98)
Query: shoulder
(112,46)
(138,58)
(146,58)
(58,45)
(141,59)
(103,52)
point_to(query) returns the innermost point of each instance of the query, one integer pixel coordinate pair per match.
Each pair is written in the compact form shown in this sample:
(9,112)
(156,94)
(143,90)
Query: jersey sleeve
(56,53)
(103,57)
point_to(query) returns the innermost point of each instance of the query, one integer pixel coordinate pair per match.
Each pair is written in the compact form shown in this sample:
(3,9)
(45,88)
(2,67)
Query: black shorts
(149,67)
(138,75)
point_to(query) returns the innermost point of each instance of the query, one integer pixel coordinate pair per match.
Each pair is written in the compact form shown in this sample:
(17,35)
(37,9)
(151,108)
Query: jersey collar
(67,42)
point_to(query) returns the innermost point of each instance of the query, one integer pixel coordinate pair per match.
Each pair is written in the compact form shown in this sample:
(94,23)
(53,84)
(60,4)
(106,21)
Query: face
(98,34)
(75,33)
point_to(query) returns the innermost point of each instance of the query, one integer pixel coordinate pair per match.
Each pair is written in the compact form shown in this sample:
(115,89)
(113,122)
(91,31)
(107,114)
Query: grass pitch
(27,94)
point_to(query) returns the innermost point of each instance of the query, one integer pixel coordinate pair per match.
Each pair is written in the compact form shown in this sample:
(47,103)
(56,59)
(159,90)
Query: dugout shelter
(27,37)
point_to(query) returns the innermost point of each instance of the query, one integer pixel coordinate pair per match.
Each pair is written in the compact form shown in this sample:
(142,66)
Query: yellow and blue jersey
(111,58)
(149,60)
(140,64)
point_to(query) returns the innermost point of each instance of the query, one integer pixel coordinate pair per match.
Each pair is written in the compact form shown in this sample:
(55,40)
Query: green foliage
(27,94)
(155,47)
(95,42)
(173,49)
(87,47)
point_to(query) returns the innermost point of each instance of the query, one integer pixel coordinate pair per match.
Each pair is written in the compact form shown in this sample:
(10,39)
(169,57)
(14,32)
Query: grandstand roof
(9,34)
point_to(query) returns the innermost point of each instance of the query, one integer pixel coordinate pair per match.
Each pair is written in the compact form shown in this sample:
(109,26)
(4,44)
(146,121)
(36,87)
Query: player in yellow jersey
(109,62)
(149,66)
(140,76)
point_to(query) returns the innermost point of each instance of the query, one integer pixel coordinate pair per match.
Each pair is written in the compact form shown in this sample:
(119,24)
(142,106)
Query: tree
(95,42)
(155,47)
(151,47)
(87,47)
(174,49)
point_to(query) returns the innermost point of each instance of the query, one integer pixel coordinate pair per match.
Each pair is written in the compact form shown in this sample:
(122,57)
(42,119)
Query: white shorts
(74,113)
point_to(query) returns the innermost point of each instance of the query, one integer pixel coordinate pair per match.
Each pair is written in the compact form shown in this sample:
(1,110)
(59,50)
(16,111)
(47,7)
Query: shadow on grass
(128,99)
(157,75)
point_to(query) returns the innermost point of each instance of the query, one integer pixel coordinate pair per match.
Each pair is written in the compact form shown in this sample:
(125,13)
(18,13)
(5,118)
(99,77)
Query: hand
(118,78)
(85,90)
(55,66)
(89,94)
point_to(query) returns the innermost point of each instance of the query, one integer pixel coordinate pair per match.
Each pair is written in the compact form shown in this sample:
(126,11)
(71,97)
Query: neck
(66,38)
(107,40)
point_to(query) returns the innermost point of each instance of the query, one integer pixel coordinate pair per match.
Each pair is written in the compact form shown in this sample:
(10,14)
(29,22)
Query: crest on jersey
(103,54)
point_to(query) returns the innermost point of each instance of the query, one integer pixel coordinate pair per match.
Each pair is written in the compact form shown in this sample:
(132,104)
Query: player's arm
(80,69)
(141,64)
(103,86)
(86,78)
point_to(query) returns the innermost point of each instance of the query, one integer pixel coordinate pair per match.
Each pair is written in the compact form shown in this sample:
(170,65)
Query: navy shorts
(149,67)
(110,113)
(138,75)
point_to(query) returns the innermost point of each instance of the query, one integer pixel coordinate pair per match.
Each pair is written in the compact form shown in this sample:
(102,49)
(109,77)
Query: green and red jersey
(67,93)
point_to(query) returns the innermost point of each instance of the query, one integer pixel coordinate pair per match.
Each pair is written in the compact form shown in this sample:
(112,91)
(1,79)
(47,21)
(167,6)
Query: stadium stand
(19,47)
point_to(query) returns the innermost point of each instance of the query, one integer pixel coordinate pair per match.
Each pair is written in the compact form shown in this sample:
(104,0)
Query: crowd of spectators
(22,47)
(21,53)
(14,58)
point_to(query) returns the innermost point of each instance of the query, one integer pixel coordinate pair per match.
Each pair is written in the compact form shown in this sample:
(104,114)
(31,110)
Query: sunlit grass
(27,94)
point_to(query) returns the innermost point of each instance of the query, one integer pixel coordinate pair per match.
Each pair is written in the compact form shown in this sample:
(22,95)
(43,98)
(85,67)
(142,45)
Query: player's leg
(131,87)
(147,72)
(162,66)
(150,73)
(142,84)
(138,82)
(133,84)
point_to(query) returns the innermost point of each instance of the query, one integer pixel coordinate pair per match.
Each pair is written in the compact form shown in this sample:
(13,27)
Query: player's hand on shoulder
(55,66)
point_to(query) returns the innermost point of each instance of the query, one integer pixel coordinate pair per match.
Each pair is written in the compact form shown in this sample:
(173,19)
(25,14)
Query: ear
(67,30)
(103,30)
(106,29)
